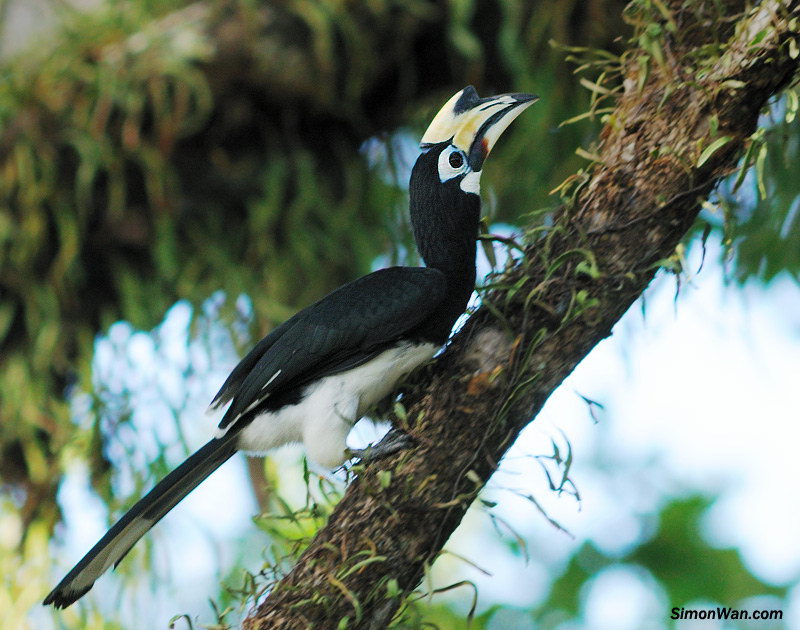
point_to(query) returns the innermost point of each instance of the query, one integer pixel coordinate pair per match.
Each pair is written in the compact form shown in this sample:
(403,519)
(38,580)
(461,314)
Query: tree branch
(574,283)
(140,155)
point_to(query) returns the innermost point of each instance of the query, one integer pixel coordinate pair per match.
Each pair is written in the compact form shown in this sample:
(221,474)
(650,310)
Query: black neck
(445,221)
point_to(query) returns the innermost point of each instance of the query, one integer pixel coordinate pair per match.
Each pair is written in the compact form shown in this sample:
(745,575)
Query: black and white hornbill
(316,374)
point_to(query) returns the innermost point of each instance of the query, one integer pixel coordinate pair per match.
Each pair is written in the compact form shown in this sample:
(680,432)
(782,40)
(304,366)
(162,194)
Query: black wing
(342,330)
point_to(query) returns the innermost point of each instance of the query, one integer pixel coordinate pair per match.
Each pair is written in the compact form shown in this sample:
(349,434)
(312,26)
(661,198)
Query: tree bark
(151,162)
(675,132)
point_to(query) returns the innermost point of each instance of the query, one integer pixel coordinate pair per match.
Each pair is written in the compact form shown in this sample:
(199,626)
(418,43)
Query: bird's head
(445,182)
(463,133)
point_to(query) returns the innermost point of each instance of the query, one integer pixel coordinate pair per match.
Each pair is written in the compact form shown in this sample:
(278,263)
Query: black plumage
(445,223)
(316,374)
(341,331)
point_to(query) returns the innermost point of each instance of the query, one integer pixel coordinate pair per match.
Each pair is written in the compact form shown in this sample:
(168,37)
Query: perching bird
(316,374)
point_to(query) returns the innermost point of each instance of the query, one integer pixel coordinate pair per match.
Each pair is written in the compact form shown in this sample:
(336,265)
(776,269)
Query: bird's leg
(393,442)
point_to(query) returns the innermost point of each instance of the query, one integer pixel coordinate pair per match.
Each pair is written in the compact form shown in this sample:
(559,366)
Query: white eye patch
(453,163)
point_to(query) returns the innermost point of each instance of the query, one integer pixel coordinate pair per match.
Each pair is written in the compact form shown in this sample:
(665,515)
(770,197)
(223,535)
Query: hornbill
(315,375)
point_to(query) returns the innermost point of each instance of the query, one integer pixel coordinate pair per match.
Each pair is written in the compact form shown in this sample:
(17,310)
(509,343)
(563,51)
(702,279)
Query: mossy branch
(158,151)
(575,282)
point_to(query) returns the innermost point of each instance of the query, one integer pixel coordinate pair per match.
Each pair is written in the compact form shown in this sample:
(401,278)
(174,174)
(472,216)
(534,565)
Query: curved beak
(474,124)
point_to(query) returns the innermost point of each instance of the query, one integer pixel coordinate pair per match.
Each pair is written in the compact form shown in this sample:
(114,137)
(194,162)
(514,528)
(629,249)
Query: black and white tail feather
(119,540)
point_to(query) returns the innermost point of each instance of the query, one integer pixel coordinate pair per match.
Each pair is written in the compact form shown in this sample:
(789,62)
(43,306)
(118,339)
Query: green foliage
(129,179)
(292,517)
(87,130)
(760,206)
(757,210)
(111,208)
(132,176)
(675,555)
(687,568)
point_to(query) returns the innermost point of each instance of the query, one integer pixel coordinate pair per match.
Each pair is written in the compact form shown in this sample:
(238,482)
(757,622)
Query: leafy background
(168,196)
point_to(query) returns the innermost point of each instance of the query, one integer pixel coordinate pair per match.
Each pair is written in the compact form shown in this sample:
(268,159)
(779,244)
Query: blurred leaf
(676,554)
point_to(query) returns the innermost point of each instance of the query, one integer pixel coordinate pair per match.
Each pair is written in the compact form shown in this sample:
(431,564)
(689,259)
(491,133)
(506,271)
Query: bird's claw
(393,442)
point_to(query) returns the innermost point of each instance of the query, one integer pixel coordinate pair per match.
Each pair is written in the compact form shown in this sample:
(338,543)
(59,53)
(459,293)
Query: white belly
(332,405)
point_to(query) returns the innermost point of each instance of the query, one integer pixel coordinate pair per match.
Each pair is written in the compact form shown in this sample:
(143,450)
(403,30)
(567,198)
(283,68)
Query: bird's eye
(452,163)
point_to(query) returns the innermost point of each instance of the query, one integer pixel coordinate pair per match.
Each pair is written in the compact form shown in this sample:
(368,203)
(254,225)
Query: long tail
(137,521)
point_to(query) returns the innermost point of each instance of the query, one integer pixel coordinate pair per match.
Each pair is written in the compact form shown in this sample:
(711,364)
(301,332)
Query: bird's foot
(393,442)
